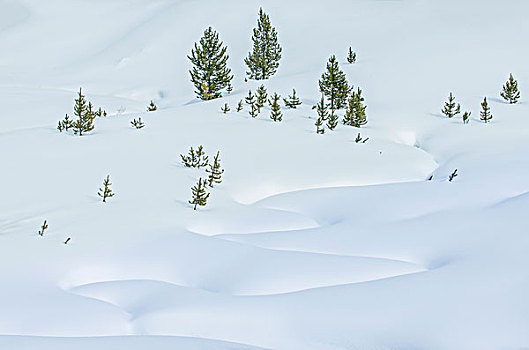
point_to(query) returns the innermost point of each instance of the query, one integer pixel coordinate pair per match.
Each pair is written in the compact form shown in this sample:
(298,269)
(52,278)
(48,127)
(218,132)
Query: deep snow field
(311,241)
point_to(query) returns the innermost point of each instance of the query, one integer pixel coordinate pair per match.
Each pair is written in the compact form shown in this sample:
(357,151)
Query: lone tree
(263,61)
(84,114)
(351,56)
(200,195)
(485,111)
(215,172)
(292,101)
(152,107)
(276,114)
(355,113)
(510,91)
(106,192)
(195,159)
(262,96)
(333,84)
(225,109)
(450,108)
(210,73)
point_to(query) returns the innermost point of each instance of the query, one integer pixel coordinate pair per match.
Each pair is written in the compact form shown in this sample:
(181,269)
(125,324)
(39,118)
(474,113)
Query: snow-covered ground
(311,241)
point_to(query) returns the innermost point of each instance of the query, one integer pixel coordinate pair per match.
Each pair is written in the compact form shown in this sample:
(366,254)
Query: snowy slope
(311,241)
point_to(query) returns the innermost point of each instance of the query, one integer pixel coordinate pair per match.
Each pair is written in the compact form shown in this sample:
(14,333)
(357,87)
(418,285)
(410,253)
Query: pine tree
(332,121)
(450,108)
(452,176)
(85,121)
(359,139)
(262,96)
(263,61)
(152,107)
(292,101)
(333,84)
(195,159)
(510,90)
(323,115)
(215,172)
(200,195)
(106,192)
(355,113)
(137,123)
(239,106)
(485,111)
(229,88)
(351,57)
(43,228)
(250,99)
(319,126)
(276,114)
(466,117)
(254,110)
(65,124)
(210,73)
(225,109)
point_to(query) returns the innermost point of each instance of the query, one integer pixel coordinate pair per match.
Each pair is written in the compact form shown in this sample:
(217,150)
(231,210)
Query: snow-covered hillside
(311,241)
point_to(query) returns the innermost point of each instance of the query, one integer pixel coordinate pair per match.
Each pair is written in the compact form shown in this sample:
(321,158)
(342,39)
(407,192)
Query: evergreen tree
(225,109)
(229,88)
(276,114)
(152,107)
(351,56)
(239,106)
(319,126)
(323,115)
(263,61)
(85,121)
(65,124)
(254,110)
(360,139)
(137,123)
(452,176)
(485,111)
(106,192)
(262,96)
(450,108)
(292,101)
(355,113)
(332,121)
(466,117)
(510,90)
(250,99)
(100,112)
(215,172)
(195,159)
(333,84)
(43,228)
(210,73)
(200,195)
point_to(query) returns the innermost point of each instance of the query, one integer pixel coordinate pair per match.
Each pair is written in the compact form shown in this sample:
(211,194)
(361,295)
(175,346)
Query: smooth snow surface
(311,241)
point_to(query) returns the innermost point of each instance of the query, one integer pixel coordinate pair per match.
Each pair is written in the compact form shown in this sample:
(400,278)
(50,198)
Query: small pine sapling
(85,115)
(225,109)
(229,88)
(68,240)
(332,121)
(200,195)
(485,111)
(250,99)
(323,114)
(137,123)
(195,159)
(100,112)
(152,107)
(276,114)
(319,126)
(43,228)
(215,172)
(510,91)
(106,192)
(65,124)
(262,96)
(239,106)
(254,110)
(452,176)
(359,139)
(450,108)
(292,101)
(355,112)
(466,117)
(351,56)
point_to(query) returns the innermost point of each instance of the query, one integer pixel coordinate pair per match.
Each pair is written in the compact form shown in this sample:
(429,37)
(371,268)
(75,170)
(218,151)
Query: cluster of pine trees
(509,93)
(198,159)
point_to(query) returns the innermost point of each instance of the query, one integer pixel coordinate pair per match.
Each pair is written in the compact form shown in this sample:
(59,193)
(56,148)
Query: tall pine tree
(333,84)
(510,91)
(85,117)
(210,73)
(485,114)
(263,61)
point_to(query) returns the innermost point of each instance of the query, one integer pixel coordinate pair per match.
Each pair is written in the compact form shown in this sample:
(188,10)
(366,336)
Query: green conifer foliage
(323,115)
(510,91)
(333,84)
(263,61)
(451,108)
(225,109)
(355,113)
(65,124)
(43,228)
(200,195)
(359,139)
(254,110)
(239,106)
(319,126)
(215,172)
(137,123)
(210,73)
(485,111)
(466,117)
(351,56)
(292,101)
(275,114)
(250,99)
(85,115)
(152,107)
(229,88)
(195,159)
(262,96)
(106,192)
(332,121)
